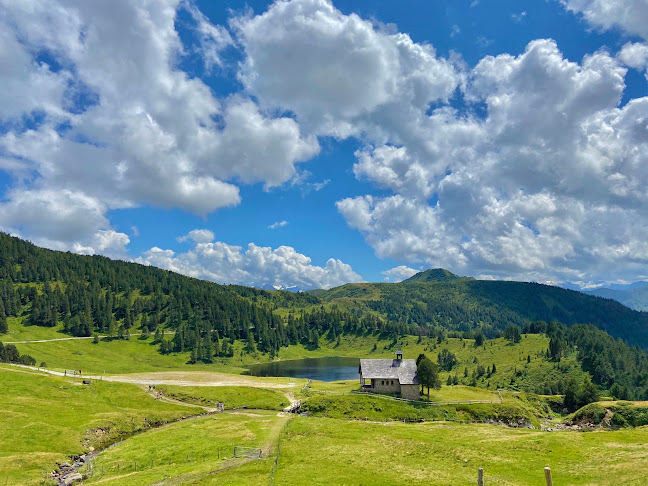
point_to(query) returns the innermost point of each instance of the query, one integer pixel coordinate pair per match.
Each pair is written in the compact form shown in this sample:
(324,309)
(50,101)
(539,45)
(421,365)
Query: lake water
(324,369)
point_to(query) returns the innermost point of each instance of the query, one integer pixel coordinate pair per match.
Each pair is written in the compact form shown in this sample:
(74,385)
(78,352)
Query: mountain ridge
(434,275)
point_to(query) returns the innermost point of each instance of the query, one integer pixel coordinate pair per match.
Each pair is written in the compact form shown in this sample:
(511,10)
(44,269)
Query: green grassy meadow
(329,451)
(186,452)
(46,419)
(347,439)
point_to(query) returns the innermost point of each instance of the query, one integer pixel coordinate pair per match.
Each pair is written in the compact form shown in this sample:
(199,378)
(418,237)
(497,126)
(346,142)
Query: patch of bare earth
(194,378)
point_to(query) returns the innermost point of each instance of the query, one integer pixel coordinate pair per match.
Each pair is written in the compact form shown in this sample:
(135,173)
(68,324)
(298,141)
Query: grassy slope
(137,355)
(232,396)
(329,451)
(44,419)
(199,440)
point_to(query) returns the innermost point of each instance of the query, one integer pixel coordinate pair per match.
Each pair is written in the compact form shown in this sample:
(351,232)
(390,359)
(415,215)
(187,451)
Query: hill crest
(433,275)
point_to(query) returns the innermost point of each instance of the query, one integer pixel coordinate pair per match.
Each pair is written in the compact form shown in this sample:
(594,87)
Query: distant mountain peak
(433,275)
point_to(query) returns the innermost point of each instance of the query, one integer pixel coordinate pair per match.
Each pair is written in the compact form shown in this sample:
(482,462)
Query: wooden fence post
(548,476)
(480,476)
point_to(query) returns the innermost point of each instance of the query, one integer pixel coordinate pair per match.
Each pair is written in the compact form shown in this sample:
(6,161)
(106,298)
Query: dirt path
(177,378)
(29,341)
(194,378)
(163,398)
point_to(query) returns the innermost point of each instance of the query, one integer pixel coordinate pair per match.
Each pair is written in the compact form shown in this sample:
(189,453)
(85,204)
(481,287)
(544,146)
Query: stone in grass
(72,478)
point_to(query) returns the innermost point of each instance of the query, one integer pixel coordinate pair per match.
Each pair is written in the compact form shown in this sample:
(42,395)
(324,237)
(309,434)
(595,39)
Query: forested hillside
(93,294)
(464,305)
(86,296)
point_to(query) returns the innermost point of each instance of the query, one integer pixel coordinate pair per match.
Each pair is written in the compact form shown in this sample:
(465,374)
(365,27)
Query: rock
(71,478)
(91,449)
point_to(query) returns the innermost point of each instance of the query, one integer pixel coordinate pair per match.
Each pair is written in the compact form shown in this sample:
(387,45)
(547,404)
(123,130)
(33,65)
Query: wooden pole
(548,476)
(480,476)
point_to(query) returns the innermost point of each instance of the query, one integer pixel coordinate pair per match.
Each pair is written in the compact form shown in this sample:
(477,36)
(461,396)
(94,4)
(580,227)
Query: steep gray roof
(403,369)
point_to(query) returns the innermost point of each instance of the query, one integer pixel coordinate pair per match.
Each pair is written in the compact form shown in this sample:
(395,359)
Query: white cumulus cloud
(546,185)
(257,266)
(337,72)
(116,118)
(628,15)
(198,236)
(399,273)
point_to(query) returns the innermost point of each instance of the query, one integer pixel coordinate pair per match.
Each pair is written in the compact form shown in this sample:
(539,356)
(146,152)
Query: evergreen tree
(555,348)
(3,319)
(479,340)
(428,375)
(158,337)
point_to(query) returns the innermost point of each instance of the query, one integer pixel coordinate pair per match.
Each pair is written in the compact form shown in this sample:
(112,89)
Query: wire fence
(278,455)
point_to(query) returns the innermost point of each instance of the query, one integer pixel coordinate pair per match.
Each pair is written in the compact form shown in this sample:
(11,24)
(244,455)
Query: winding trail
(177,378)
(29,341)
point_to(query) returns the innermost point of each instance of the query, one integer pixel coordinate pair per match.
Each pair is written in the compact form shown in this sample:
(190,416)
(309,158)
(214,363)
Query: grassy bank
(520,410)
(188,452)
(234,397)
(613,414)
(46,419)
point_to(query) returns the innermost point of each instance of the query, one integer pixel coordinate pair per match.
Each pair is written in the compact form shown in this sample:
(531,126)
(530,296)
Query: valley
(514,393)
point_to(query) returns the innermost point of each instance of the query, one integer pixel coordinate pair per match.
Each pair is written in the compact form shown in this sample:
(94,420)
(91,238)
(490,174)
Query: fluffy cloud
(337,72)
(629,15)
(94,103)
(547,185)
(635,56)
(512,185)
(258,266)
(62,220)
(278,224)
(198,236)
(60,215)
(400,273)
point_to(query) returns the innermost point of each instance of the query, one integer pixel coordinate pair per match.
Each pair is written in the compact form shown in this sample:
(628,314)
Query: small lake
(324,369)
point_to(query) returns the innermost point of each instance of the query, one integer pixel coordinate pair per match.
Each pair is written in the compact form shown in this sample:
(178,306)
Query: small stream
(83,459)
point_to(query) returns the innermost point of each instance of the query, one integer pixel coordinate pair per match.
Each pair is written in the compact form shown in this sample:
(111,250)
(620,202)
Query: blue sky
(309,143)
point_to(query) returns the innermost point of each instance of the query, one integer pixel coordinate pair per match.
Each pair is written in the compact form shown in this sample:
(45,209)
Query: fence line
(306,386)
(276,461)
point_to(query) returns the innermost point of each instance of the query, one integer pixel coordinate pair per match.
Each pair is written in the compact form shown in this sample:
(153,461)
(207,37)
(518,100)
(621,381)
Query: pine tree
(3,319)
(158,337)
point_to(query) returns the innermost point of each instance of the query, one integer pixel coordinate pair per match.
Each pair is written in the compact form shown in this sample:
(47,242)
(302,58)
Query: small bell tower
(399,354)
